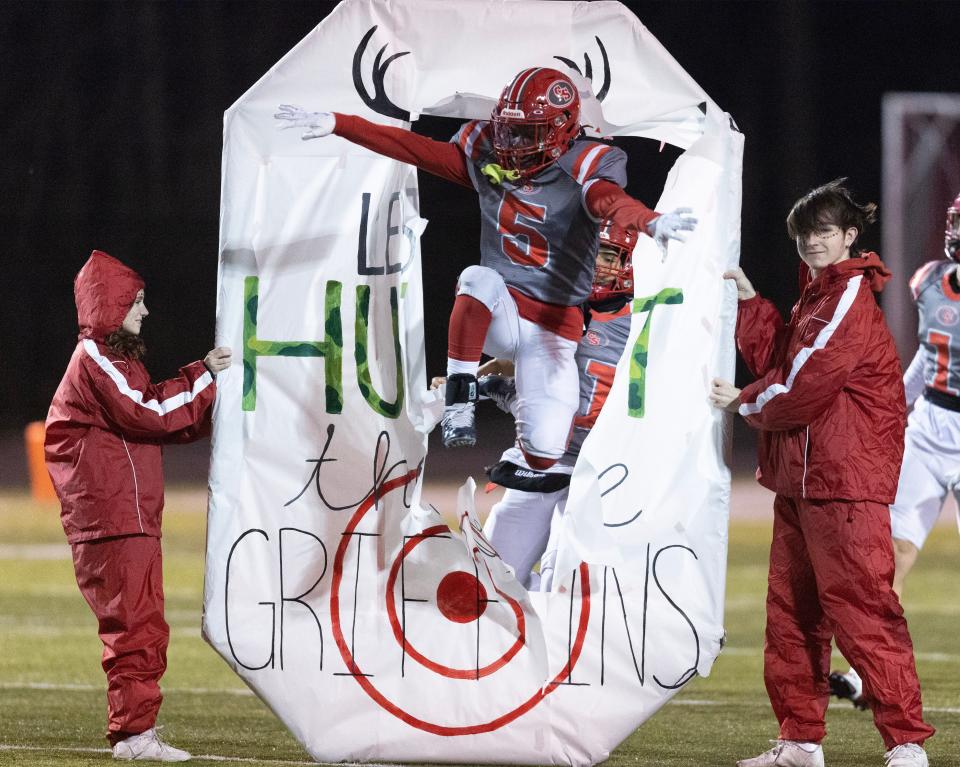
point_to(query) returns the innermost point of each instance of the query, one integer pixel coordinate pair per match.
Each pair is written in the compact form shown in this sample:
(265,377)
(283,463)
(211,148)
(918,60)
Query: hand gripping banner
(368,626)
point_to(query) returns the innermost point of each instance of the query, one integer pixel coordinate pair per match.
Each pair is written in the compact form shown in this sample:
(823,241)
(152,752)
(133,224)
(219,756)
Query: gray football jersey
(939,328)
(597,356)
(538,234)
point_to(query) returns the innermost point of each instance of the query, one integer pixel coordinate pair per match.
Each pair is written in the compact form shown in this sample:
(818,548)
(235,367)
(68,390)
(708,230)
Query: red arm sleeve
(759,328)
(440,158)
(795,392)
(607,200)
(155,411)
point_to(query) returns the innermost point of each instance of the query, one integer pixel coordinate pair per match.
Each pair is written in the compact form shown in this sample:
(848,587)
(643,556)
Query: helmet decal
(560,94)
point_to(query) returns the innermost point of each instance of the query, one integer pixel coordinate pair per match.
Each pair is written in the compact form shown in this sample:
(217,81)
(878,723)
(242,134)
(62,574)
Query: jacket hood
(866,262)
(104,291)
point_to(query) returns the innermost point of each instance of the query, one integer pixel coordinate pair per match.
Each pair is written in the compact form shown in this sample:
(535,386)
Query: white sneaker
(906,755)
(787,753)
(148,746)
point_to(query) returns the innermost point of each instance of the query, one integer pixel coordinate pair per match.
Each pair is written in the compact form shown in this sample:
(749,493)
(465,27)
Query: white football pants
(548,384)
(931,467)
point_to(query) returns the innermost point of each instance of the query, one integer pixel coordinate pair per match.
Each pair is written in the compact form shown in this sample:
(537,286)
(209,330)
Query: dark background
(111,116)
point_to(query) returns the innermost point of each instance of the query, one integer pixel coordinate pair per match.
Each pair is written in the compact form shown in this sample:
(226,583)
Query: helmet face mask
(613,273)
(951,235)
(535,120)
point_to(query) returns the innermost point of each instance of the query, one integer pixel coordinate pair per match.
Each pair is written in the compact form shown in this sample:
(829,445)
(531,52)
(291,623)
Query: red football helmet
(536,119)
(613,274)
(951,237)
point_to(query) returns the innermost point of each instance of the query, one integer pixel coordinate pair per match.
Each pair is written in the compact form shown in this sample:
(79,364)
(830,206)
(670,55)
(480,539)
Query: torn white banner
(370,628)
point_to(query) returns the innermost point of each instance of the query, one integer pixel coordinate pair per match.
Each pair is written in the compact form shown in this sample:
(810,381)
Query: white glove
(320,123)
(671,226)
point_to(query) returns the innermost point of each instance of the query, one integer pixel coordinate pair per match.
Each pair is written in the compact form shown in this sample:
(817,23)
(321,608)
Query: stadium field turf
(52,701)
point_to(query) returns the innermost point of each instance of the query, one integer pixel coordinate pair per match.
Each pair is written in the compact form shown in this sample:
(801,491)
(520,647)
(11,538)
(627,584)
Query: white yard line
(695,702)
(11,630)
(236,691)
(208,757)
(928,657)
(195,757)
(243,692)
(35,551)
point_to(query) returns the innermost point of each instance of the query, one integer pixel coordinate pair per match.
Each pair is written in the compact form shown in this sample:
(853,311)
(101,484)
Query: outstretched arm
(607,200)
(152,412)
(440,158)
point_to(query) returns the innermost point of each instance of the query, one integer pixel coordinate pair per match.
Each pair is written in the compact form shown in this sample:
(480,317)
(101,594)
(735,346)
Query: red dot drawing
(461,598)
(423,660)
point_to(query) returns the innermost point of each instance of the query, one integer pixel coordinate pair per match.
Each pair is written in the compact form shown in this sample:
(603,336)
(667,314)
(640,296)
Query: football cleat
(457,426)
(502,390)
(848,686)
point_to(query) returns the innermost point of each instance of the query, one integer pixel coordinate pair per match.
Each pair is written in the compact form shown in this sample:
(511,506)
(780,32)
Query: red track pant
(831,571)
(122,581)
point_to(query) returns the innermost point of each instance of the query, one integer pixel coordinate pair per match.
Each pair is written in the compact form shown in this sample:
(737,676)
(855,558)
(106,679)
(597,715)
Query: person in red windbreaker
(829,407)
(104,439)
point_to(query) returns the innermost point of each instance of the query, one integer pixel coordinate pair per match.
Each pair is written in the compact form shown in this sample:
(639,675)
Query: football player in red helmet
(536,120)
(951,236)
(523,527)
(543,190)
(613,273)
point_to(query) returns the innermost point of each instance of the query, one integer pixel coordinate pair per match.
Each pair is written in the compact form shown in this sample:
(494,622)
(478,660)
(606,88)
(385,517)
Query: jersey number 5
(520,240)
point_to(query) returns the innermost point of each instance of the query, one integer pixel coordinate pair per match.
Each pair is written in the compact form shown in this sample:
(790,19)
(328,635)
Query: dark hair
(830,204)
(127,344)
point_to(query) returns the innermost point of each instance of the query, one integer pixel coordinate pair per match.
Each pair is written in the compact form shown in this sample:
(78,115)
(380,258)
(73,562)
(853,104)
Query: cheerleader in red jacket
(828,404)
(104,435)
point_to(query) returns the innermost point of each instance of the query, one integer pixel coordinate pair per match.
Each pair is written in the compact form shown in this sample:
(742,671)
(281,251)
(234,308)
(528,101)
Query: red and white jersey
(938,305)
(597,356)
(539,234)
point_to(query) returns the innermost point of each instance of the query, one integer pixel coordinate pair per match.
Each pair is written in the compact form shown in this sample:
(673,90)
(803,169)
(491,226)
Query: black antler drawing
(379,102)
(588,69)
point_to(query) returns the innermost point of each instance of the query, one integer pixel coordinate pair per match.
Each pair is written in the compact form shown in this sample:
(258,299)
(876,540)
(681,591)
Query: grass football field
(52,690)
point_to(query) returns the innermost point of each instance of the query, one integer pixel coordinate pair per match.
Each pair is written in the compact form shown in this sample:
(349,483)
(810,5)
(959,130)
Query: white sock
(461,366)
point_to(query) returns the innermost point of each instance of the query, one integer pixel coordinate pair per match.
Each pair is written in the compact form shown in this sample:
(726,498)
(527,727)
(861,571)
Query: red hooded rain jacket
(107,422)
(829,399)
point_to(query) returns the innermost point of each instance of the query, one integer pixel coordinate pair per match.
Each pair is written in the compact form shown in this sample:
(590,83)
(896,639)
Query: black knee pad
(509,475)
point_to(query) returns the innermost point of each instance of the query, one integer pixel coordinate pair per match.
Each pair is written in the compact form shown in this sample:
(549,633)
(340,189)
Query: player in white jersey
(520,525)
(931,458)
